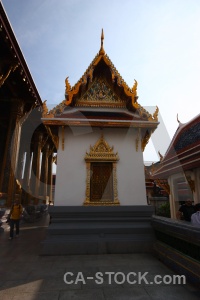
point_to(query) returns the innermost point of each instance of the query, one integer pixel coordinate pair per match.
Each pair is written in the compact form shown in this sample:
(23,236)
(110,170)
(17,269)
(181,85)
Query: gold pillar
(17,112)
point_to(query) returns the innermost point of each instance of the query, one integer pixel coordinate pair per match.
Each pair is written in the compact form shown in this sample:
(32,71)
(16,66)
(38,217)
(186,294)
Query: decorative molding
(163,184)
(116,201)
(145,140)
(101,152)
(137,139)
(191,183)
(102,203)
(100,94)
(63,138)
(71,91)
(190,178)
(54,138)
(56,110)
(155,114)
(87,200)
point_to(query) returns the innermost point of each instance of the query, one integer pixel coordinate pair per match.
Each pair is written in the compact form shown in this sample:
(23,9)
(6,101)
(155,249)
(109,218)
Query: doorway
(101,182)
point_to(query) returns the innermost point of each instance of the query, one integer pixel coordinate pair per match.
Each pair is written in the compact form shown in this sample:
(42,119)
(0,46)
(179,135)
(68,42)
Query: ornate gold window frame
(101,152)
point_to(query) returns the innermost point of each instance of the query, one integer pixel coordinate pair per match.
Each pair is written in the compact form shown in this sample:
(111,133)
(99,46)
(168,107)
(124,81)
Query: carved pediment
(100,94)
(101,151)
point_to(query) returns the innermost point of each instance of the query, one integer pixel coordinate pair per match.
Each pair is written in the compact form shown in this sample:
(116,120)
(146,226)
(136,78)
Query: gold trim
(191,183)
(100,94)
(137,139)
(54,138)
(155,114)
(163,184)
(95,123)
(102,203)
(101,152)
(145,140)
(131,93)
(115,183)
(63,137)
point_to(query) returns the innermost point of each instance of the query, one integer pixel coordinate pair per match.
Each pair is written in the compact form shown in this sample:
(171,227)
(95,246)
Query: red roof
(184,150)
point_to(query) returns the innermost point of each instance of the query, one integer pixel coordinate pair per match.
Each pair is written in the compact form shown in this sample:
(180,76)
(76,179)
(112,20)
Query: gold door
(101,182)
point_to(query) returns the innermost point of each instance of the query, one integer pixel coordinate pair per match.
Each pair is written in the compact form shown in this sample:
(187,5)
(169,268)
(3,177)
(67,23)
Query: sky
(155,42)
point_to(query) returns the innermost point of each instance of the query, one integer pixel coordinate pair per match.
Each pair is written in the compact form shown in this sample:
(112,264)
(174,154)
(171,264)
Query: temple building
(102,131)
(24,139)
(179,170)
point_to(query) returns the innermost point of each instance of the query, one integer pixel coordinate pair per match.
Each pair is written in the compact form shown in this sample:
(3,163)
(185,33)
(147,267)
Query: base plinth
(99,230)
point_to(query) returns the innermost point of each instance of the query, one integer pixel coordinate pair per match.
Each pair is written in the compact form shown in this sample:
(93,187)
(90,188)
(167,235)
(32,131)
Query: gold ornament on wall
(101,152)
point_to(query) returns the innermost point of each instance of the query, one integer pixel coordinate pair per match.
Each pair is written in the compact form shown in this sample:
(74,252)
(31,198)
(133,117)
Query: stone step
(98,219)
(95,227)
(95,230)
(96,244)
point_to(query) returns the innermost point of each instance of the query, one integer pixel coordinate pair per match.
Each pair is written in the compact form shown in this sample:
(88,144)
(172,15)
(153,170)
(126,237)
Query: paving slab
(27,275)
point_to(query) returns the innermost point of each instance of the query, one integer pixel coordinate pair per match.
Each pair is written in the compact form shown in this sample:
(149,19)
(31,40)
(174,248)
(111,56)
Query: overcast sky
(156,42)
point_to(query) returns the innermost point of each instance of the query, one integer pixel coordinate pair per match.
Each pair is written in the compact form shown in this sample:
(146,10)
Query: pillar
(44,172)
(35,172)
(50,179)
(13,149)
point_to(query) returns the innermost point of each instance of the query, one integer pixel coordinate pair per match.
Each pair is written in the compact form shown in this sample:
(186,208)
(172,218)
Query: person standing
(186,210)
(15,215)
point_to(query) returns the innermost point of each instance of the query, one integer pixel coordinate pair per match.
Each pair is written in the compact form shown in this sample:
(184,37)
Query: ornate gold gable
(93,91)
(101,151)
(70,92)
(100,94)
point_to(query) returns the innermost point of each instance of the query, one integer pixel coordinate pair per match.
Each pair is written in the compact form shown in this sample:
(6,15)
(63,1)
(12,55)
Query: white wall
(71,167)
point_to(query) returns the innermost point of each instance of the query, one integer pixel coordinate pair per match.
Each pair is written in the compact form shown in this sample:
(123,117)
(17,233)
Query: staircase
(98,230)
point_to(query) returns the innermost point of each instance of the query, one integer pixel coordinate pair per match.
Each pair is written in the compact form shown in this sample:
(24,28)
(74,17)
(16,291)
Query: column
(44,172)
(50,179)
(26,179)
(13,149)
(21,161)
(35,172)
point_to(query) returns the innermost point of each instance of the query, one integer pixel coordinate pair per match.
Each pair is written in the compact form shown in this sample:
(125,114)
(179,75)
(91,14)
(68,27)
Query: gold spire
(101,51)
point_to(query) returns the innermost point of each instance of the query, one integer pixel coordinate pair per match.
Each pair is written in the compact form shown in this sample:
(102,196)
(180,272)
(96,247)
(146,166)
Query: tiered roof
(102,98)
(184,150)
(125,96)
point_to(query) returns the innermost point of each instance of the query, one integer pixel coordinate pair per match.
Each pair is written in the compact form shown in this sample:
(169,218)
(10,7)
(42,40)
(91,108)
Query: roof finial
(101,51)
(178,119)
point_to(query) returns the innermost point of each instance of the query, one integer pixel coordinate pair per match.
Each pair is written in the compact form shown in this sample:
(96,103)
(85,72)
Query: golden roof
(129,93)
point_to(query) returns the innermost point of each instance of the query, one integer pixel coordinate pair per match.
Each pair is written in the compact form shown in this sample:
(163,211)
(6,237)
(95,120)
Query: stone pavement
(26,275)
